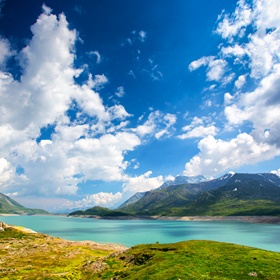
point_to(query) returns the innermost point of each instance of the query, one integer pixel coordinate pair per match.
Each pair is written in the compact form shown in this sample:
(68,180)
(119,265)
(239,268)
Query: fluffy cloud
(98,82)
(258,57)
(46,87)
(228,98)
(261,108)
(42,98)
(56,167)
(5,50)
(141,183)
(157,125)
(217,156)
(240,81)
(130,186)
(6,172)
(197,129)
(199,132)
(203,61)
(232,25)
(169,121)
(120,92)
(262,48)
(98,199)
(216,68)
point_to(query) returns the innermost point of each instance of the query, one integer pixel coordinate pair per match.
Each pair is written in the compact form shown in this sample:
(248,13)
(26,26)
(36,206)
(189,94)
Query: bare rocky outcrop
(3,226)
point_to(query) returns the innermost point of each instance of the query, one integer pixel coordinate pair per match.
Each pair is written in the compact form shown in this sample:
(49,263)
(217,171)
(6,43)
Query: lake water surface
(132,232)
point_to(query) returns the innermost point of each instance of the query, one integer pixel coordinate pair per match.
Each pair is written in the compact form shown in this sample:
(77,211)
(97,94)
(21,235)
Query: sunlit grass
(37,256)
(193,260)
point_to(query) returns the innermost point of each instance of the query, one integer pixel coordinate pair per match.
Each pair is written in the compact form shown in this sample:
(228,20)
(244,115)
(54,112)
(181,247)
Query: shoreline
(8,215)
(251,219)
(97,245)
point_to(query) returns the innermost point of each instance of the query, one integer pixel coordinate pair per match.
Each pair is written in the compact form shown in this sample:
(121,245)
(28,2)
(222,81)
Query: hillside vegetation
(29,256)
(230,195)
(10,206)
(192,260)
(99,212)
(37,256)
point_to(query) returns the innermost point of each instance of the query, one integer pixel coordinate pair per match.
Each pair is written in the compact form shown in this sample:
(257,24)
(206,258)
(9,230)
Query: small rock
(2,226)
(253,274)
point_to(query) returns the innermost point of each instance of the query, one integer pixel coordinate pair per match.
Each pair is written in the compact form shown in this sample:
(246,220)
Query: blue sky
(101,99)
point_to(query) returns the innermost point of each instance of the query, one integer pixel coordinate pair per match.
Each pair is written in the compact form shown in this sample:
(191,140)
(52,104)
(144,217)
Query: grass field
(37,256)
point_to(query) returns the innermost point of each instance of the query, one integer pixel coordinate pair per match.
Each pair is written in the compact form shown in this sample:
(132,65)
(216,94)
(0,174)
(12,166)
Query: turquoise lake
(132,232)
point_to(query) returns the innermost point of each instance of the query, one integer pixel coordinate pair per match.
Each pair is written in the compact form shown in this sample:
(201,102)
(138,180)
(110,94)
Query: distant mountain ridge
(10,206)
(183,180)
(243,194)
(178,180)
(246,194)
(137,196)
(99,212)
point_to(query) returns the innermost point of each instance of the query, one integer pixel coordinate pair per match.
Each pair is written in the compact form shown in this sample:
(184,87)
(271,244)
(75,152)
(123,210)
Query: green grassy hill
(38,256)
(192,260)
(33,256)
(10,206)
(99,211)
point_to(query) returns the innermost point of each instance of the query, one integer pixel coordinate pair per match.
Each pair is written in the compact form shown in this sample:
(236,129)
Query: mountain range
(10,206)
(231,194)
(177,181)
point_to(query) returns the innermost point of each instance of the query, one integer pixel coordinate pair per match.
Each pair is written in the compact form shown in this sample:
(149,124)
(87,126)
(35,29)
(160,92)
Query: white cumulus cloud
(256,105)
(41,98)
(198,128)
(217,156)
(120,92)
(98,199)
(158,125)
(141,183)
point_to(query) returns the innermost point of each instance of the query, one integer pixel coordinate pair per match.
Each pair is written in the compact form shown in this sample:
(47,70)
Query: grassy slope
(193,260)
(10,206)
(37,256)
(233,207)
(99,211)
